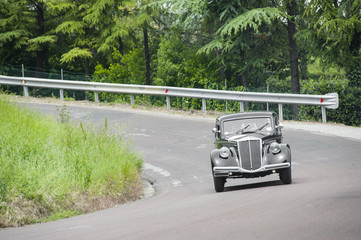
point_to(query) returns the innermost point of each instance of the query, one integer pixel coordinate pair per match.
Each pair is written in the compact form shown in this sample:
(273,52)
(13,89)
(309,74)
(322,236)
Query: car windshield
(246,125)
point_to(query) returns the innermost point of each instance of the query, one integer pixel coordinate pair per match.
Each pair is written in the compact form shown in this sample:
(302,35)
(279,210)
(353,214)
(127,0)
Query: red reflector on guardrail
(321,100)
(166,91)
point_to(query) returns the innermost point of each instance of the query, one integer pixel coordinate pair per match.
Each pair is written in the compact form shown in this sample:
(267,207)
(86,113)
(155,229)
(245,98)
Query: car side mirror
(214,130)
(280,126)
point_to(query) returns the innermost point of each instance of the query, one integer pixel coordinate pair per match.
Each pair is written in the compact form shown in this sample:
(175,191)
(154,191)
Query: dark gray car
(249,145)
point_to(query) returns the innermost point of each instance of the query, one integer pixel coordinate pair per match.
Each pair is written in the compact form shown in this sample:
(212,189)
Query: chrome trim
(249,139)
(226,168)
(264,168)
(279,165)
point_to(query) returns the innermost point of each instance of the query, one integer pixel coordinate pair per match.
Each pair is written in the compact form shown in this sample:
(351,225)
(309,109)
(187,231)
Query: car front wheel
(286,176)
(219,183)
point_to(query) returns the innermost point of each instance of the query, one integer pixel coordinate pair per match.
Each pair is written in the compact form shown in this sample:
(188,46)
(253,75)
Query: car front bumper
(229,171)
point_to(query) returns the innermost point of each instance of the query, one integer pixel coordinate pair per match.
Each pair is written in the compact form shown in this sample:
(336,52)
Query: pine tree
(335,32)
(25,26)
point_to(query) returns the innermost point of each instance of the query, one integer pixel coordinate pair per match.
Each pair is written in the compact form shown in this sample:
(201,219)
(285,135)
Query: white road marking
(158,170)
(138,134)
(177,183)
(164,173)
(201,146)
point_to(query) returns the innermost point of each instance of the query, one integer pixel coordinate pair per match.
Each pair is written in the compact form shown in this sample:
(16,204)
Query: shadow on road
(253,185)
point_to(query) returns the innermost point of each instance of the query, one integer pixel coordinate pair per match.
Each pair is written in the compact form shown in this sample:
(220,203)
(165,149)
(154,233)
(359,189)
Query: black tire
(219,183)
(286,175)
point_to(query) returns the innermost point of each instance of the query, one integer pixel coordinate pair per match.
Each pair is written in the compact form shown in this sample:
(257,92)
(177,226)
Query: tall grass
(50,170)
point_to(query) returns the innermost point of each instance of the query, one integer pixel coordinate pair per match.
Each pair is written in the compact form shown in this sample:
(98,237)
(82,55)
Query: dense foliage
(50,169)
(218,44)
(349,111)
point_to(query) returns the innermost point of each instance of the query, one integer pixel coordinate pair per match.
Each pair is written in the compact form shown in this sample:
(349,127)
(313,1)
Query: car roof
(246,115)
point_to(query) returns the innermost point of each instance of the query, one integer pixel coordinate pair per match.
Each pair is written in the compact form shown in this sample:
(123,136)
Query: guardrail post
(204,107)
(26,90)
(323,110)
(62,90)
(168,103)
(131,99)
(280,111)
(96,95)
(241,106)
(62,94)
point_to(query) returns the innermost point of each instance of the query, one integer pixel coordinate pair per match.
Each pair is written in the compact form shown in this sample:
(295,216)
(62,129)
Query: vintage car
(249,145)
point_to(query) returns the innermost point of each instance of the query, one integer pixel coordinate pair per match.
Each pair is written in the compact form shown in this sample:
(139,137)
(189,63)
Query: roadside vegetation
(280,46)
(51,169)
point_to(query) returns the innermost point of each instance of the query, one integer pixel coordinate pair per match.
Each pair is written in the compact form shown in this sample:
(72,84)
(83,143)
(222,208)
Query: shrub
(49,169)
(349,110)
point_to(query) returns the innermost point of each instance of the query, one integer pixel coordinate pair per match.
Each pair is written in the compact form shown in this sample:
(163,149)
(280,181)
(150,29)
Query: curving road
(324,201)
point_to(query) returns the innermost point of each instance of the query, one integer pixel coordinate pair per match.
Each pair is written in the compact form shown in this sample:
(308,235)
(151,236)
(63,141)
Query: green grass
(50,170)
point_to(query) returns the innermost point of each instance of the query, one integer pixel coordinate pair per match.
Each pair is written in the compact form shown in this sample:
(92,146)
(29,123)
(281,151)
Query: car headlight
(275,148)
(224,152)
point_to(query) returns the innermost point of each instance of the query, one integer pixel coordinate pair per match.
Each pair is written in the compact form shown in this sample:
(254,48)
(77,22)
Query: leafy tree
(73,26)
(335,32)
(25,25)
(248,41)
(14,32)
(140,24)
(251,20)
(184,69)
(144,20)
(292,9)
(106,16)
(95,29)
(126,69)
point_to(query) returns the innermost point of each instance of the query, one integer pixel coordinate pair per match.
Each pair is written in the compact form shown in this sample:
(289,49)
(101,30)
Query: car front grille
(250,153)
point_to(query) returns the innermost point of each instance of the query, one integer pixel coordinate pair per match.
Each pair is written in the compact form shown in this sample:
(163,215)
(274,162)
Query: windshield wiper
(259,129)
(242,129)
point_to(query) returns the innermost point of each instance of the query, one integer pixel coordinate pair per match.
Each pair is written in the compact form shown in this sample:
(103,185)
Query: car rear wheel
(286,175)
(219,183)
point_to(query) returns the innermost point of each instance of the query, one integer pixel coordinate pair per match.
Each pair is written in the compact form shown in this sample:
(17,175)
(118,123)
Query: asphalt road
(323,202)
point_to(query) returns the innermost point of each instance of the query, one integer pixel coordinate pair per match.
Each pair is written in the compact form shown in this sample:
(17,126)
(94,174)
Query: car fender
(218,161)
(283,156)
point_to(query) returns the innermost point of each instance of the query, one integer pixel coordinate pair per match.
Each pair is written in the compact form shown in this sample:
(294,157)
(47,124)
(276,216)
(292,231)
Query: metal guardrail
(324,101)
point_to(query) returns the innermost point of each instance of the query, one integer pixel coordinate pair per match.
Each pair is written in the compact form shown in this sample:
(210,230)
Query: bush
(186,68)
(124,69)
(49,169)
(349,110)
